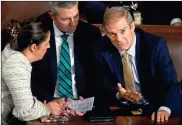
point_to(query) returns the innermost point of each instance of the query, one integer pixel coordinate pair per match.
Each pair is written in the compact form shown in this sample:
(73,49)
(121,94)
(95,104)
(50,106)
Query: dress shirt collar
(131,50)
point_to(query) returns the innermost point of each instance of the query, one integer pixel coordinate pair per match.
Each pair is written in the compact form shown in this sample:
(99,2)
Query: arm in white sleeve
(166,109)
(17,75)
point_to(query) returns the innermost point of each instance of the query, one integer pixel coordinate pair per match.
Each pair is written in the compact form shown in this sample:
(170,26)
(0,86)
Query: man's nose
(119,37)
(72,21)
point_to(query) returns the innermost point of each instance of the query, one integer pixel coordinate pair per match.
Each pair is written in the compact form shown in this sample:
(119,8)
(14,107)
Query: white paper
(82,105)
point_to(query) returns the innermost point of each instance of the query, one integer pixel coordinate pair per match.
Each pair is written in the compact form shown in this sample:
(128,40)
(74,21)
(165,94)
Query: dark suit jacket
(154,66)
(44,72)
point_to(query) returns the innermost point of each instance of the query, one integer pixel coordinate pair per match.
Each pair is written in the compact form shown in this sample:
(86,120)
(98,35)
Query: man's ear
(33,47)
(132,26)
(52,16)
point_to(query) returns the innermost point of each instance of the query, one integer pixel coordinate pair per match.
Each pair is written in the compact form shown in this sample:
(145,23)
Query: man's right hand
(72,111)
(128,95)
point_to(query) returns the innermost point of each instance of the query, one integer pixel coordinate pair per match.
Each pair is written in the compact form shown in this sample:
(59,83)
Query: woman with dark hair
(28,43)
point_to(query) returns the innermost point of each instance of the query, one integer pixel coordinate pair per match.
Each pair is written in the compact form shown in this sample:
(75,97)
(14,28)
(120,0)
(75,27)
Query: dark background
(153,12)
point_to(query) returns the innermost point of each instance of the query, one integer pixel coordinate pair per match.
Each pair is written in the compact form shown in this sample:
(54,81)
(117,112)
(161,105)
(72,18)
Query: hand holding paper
(82,105)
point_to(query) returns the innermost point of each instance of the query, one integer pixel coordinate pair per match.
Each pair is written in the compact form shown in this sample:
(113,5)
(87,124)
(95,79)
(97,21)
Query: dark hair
(26,33)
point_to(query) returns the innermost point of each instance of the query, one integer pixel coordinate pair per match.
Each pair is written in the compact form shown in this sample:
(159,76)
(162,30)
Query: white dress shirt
(131,52)
(58,43)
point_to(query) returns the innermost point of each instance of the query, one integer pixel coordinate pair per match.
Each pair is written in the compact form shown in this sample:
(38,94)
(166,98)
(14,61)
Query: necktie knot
(64,37)
(126,56)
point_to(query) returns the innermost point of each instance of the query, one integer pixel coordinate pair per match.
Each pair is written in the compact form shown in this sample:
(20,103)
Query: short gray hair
(117,12)
(54,5)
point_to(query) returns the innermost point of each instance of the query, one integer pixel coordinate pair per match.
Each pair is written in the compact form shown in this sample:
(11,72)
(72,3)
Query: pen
(155,118)
(66,99)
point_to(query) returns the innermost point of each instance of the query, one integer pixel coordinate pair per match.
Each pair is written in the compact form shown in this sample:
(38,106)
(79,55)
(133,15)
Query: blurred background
(149,13)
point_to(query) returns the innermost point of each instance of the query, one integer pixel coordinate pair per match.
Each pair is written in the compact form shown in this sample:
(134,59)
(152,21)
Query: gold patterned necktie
(129,80)
(127,73)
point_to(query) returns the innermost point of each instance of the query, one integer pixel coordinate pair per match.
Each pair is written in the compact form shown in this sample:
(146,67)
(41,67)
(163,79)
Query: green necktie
(65,79)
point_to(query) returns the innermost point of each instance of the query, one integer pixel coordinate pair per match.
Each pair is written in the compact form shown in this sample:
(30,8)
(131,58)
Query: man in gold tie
(133,69)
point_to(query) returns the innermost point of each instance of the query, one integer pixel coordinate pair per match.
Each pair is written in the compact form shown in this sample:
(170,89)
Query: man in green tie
(64,70)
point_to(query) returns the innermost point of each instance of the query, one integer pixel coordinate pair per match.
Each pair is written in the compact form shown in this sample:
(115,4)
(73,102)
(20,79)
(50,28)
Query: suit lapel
(79,78)
(138,52)
(140,59)
(78,67)
(116,63)
(52,56)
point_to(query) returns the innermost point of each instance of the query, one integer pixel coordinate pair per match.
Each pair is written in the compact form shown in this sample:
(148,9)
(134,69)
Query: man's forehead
(118,24)
(67,11)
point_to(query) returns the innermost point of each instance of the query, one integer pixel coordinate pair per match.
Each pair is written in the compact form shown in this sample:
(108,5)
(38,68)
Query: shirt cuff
(117,96)
(166,109)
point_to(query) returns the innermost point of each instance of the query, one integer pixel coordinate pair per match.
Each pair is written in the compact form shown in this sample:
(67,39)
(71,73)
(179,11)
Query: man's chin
(121,48)
(71,31)
(68,31)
